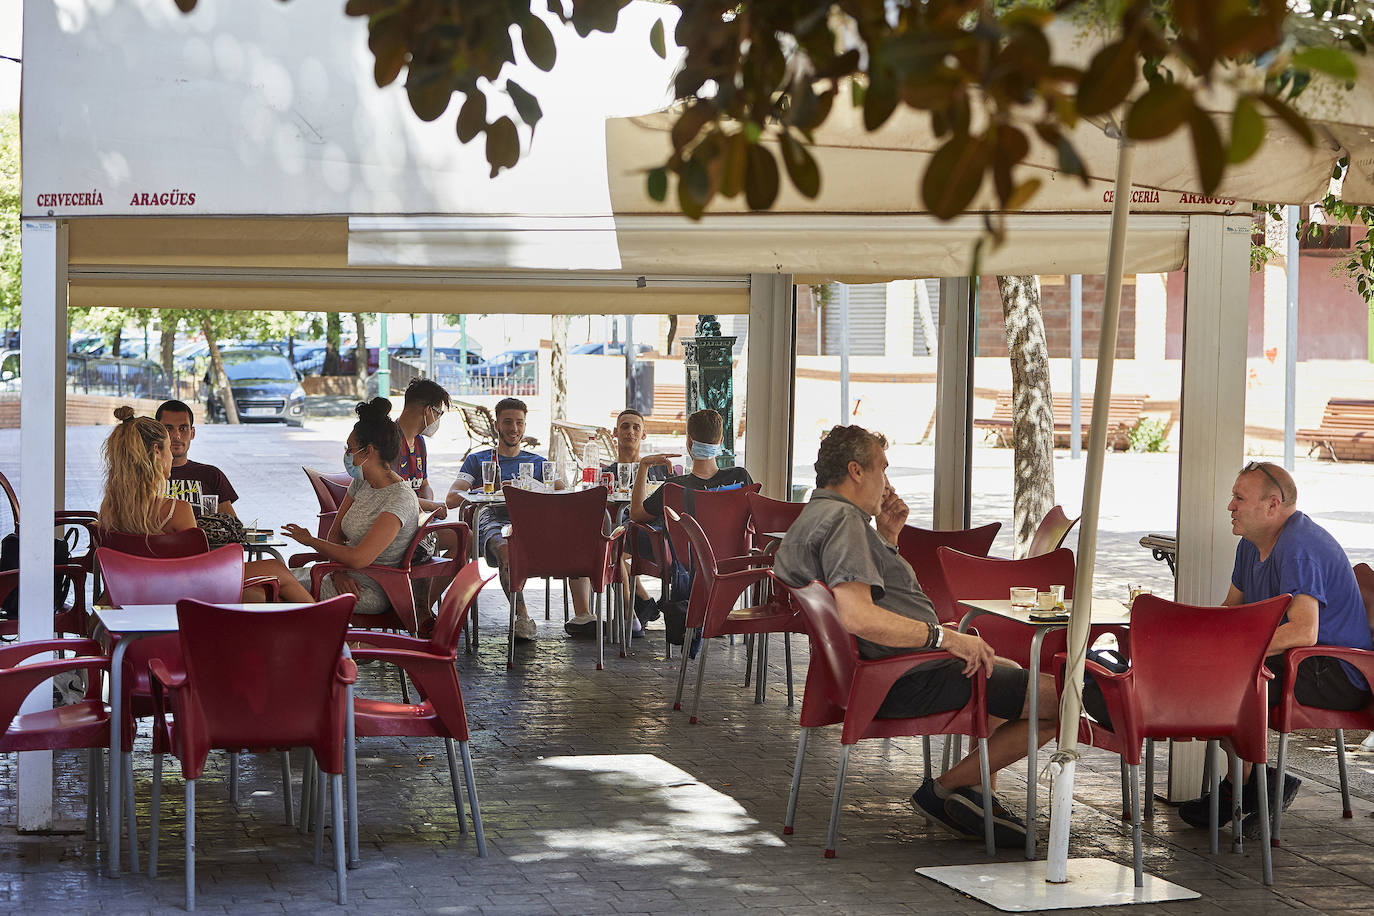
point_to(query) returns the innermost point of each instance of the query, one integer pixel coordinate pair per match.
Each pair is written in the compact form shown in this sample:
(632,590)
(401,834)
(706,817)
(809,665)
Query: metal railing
(135,378)
(521,381)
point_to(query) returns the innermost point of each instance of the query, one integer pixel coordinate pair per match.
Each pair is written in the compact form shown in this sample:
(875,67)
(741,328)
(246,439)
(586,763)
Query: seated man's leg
(497,554)
(446,545)
(583,622)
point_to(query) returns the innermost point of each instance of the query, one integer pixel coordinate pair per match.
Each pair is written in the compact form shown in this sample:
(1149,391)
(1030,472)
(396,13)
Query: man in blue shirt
(1282,551)
(508,455)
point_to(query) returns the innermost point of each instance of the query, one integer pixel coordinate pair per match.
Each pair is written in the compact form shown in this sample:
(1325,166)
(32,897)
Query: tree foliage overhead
(773,70)
(9,219)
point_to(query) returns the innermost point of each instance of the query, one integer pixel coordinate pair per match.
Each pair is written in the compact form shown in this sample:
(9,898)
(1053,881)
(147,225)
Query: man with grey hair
(834,540)
(1282,551)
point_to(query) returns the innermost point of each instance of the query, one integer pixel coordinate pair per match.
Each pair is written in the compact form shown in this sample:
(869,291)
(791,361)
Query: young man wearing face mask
(425,404)
(705,433)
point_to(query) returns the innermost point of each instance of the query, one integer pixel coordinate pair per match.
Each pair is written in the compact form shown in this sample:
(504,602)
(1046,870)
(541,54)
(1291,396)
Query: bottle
(591,463)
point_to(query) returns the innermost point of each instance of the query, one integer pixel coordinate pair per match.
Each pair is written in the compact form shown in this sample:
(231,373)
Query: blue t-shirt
(509,468)
(1306,560)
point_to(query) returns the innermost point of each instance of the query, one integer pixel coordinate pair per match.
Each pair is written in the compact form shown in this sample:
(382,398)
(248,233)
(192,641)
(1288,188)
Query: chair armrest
(743,562)
(267,583)
(347,672)
(1362,660)
(424,668)
(298,560)
(157,670)
(383,640)
(12,655)
(874,677)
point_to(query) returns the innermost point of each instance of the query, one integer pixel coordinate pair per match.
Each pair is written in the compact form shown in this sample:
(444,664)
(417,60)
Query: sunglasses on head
(1259,466)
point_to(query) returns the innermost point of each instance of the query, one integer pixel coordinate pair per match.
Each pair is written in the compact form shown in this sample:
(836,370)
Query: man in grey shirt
(881,603)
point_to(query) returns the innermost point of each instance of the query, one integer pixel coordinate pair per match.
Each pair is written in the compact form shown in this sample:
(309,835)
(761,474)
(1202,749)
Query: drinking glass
(608,481)
(626,473)
(1135,591)
(209,504)
(1023,597)
(589,475)
(550,475)
(488,476)
(527,470)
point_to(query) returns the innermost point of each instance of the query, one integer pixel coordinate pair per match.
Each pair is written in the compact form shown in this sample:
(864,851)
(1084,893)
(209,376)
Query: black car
(267,389)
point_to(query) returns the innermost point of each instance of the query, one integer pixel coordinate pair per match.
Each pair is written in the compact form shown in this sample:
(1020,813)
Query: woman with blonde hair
(138,462)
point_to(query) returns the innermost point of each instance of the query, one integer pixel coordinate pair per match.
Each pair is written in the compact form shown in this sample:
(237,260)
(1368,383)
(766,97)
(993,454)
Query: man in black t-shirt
(705,433)
(190,479)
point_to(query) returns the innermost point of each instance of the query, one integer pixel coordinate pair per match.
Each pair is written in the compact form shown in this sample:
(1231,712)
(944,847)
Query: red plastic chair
(1049,535)
(74,619)
(167,546)
(255,679)
(77,726)
(724,518)
(431,665)
(918,547)
(329,490)
(767,515)
(842,687)
(1196,672)
(560,536)
(716,588)
(1289,715)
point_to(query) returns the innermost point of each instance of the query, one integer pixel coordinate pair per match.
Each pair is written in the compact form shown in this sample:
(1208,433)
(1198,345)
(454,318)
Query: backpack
(9,559)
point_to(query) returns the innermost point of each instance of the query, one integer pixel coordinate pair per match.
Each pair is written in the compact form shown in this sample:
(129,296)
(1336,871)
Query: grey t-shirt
(369,503)
(833,541)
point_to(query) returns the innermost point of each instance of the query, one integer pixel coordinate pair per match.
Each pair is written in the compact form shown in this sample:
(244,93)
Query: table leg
(1033,731)
(116,814)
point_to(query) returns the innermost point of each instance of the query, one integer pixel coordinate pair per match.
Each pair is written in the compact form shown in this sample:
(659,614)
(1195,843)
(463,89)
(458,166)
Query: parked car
(602,348)
(511,362)
(267,389)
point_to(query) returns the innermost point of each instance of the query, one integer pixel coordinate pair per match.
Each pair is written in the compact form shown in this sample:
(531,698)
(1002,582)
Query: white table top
(478,498)
(1105,610)
(161,618)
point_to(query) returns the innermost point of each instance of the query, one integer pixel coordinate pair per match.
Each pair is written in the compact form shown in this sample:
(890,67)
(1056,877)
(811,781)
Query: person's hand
(664,460)
(972,649)
(297,534)
(892,516)
(440,513)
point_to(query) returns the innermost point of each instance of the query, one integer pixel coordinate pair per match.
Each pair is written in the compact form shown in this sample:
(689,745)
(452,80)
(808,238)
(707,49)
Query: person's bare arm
(1300,629)
(860,616)
(354,556)
(1233,597)
(227,508)
(640,488)
(455,493)
(335,535)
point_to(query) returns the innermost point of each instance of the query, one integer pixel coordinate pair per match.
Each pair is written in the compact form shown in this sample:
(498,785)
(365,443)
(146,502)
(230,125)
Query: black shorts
(940,686)
(1321,682)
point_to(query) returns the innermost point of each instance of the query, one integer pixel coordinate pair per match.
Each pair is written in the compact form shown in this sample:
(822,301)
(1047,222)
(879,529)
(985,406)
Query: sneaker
(965,807)
(696,645)
(636,629)
(1198,812)
(932,807)
(583,626)
(646,610)
(675,622)
(525,629)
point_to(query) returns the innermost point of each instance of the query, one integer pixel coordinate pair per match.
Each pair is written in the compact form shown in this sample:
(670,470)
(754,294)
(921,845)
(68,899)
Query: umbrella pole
(1071,704)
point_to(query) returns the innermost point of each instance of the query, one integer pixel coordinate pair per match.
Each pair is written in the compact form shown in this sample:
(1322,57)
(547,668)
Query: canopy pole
(383,362)
(1290,345)
(429,346)
(1076,361)
(1070,706)
(843,301)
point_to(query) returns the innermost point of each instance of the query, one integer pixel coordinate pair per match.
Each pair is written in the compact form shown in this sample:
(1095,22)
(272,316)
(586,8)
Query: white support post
(770,382)
(1211,431)
(953,405)
(42,428)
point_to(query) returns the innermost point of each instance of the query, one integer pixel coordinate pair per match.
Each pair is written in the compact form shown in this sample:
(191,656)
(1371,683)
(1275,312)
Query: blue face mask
(350,468)
(704,450)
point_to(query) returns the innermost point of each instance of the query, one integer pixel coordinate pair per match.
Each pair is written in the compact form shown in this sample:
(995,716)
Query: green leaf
(1296,122)
(658,184)
(1207,150)
(1247,131)
(656,40)
(538,42)
(503,145)
(526,105)
(428,94)
(690,123)
(734,164)
(1108,79)
(1159,112)
(879,102)
(1331,61)
(760,179)
(954,175)
(352,7)
(1022,194)
(186,5)
(801,168)
(472,117)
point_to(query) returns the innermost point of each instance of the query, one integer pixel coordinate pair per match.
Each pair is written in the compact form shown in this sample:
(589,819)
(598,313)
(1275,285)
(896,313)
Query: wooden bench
(670,412)
(1346,433)
(576,436)
(481,427)
(1123,414)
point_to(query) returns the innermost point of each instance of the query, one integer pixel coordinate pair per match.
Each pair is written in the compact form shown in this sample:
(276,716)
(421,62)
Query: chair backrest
(1364,577)
(771,514)
(834,655)
(918,547)
(13,500)
(1195,669)
(673,498)
(1050,534)
(963,576)
(703,565)
(556,535)
(177,544)
(267,678)
(215,576)
(454,609)
(724,517)
(329,488)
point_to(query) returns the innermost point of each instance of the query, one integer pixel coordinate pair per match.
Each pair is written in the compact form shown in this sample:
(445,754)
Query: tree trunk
(226,393)
(169,345)
(360,355)
(558,381)
(332,331)
(1032,407)
(116,342)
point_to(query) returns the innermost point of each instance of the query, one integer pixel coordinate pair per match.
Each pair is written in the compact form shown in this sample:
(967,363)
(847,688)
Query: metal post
(1076,358)
(462,354)
(1290,345)
(629,360)
(383,360)
(843,301)
(429,346)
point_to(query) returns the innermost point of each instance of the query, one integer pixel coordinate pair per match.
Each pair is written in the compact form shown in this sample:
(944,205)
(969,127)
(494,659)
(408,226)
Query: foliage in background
(773,70)
(9,219)
(1150,435)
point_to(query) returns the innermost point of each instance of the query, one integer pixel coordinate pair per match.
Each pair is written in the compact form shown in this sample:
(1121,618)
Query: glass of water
(550,474)
(209,504)
(626,472)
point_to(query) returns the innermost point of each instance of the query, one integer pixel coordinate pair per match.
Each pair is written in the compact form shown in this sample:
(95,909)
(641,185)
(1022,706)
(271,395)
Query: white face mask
(433,428)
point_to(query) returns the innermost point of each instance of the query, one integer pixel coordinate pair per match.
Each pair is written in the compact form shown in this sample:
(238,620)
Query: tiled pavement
(598,799)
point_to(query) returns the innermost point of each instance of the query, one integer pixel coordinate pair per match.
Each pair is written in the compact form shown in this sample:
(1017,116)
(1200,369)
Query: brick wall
(1054,308)
(82,409)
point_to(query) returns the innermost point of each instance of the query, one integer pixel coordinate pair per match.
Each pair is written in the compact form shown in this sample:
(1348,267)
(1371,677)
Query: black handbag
(61,555)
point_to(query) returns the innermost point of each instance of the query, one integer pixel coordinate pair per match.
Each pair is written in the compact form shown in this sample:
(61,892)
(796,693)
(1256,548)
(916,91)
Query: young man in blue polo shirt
(1282,551)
